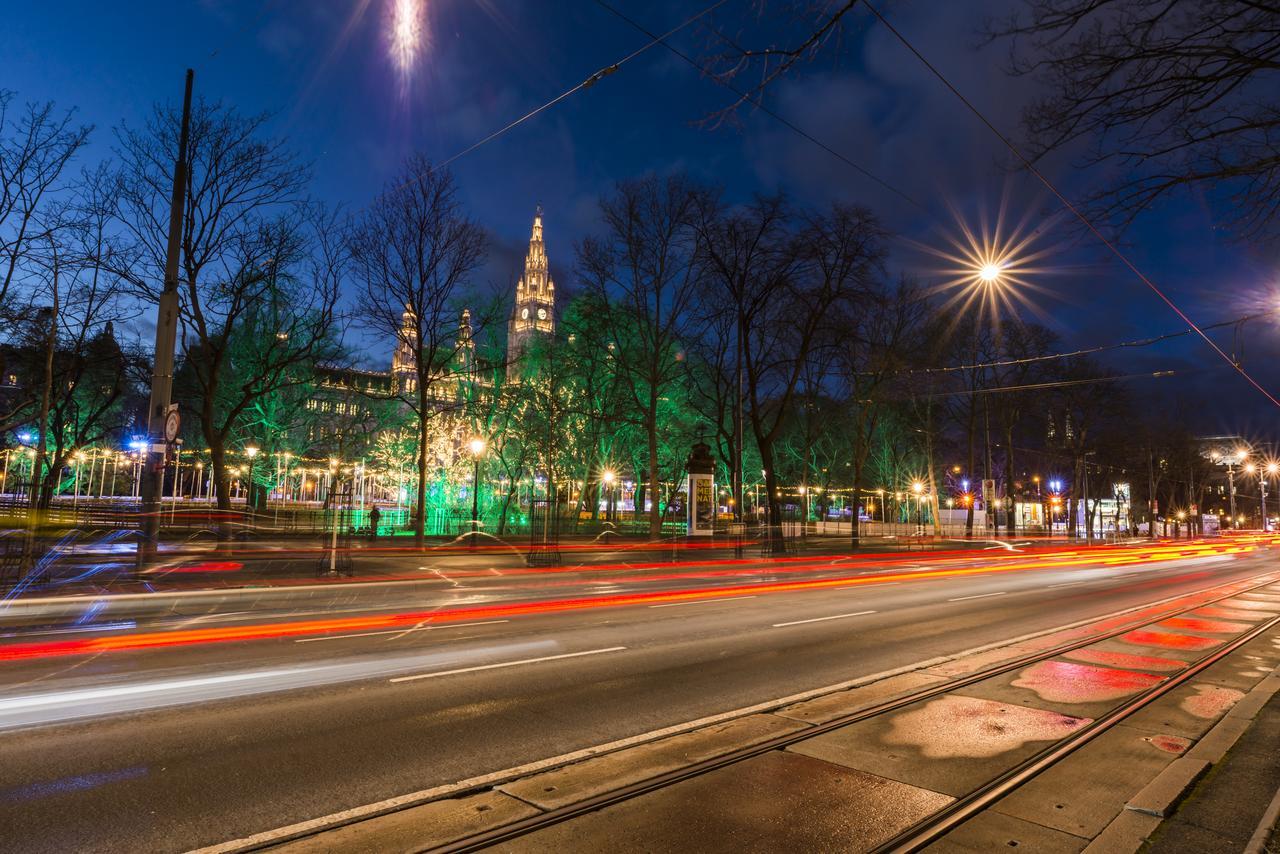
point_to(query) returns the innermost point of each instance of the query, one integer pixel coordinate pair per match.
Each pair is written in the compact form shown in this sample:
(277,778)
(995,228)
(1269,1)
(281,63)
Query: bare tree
(648,266)
(791,280)
(885,327)
(414,249)
(35,148)
(258,308)
(1177,93)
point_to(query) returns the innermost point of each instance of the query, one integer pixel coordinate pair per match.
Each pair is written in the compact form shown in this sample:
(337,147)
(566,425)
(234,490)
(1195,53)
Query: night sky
(324,69)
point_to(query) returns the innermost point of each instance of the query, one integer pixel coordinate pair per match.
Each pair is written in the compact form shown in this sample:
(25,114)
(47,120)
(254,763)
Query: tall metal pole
(1262,497)
(475,498)
(1231,493)
(152,485)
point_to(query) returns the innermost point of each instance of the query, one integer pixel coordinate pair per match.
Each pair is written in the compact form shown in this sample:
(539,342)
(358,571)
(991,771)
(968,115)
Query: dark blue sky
(323,68)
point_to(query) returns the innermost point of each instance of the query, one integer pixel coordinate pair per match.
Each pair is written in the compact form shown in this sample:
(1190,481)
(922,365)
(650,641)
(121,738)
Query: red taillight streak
(151,640)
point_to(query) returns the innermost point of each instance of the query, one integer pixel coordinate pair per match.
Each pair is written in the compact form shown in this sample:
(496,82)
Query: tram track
(965,806)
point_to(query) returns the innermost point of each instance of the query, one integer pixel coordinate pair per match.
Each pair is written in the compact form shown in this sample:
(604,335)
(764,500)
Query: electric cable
(1066,203)
(758,104)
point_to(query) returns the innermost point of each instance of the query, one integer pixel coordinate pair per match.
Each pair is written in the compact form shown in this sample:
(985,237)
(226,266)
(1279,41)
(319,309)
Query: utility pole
(166,338)
(1231,493)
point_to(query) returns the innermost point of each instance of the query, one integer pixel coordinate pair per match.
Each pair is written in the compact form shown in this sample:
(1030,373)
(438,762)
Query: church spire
(534,310)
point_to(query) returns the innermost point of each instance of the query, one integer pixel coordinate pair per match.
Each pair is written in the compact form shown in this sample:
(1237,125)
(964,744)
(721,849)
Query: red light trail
(265,631)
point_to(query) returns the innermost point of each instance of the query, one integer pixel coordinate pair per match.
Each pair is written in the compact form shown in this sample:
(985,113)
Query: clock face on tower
(542,314)
(524,314)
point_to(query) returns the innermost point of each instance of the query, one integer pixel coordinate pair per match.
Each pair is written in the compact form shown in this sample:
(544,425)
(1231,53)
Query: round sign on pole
(172,423)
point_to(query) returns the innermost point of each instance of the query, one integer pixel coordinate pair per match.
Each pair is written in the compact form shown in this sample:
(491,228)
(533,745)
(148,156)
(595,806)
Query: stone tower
(533,313)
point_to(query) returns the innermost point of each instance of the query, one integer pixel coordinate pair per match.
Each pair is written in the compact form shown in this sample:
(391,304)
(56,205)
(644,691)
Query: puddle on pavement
(1168,743)
(1197,624)
(1227,613)
(1125,659)
(1147,637)
(1251,605)
(1211,701)
(1067,682)
(955,726)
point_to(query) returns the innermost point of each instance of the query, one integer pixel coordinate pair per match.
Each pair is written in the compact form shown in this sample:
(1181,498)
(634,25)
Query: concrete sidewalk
(1227,805)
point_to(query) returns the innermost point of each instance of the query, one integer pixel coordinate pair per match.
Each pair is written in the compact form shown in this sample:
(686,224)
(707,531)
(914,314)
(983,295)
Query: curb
(1157,800)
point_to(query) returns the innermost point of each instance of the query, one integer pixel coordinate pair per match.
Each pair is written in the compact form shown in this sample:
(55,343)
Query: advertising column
(701,492)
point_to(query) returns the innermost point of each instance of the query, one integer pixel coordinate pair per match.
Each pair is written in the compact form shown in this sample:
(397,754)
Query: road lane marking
(401,631)
(822,619)
(1067,584)
(979,596)
(493,778)
(506,664)
(702,601)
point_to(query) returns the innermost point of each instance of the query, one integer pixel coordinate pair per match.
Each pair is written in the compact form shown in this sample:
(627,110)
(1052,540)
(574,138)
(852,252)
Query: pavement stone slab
(979,661)
(995,831)
(416,828)
(1124,835)
(949,744)
(1083,793)
(777,801)
(1079,689)
(1247,602)
(1189,710)
(822,709)
(581,780)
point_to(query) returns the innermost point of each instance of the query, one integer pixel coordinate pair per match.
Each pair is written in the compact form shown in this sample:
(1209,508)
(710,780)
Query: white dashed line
(401,631)
(979,596)
(506,664)
(702,601)
(822,619)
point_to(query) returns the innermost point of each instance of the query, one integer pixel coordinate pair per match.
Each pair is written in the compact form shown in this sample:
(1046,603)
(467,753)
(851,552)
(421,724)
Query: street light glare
(478,446)
(608,476)
(989,273)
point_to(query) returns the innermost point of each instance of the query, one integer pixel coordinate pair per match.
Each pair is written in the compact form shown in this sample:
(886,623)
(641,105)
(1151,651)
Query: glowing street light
(608,477)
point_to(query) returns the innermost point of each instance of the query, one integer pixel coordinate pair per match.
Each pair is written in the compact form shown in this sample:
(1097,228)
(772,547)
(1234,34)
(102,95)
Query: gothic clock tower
(533,314)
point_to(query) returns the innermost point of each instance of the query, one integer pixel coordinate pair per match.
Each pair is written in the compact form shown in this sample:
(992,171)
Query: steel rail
(961,810)
(523,827)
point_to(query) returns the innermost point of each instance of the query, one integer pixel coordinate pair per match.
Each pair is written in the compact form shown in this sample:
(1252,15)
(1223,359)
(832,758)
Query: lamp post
(608,477)
(75,489)
(478,446)
(250,451)
(1263,471)
(918,489)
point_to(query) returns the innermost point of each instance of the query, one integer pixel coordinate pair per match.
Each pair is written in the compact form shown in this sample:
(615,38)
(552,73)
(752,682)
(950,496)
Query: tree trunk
(1011,524)
(654,491)
(774,503)
(855,540)
(420,503)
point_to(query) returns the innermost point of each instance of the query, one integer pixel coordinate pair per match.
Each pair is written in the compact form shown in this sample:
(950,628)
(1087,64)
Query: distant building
(533,310)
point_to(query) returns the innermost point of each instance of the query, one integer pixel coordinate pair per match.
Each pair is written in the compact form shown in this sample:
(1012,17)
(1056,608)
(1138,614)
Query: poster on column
(702,505)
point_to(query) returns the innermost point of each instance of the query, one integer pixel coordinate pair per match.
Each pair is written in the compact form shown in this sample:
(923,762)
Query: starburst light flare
(405,35)
(992,269)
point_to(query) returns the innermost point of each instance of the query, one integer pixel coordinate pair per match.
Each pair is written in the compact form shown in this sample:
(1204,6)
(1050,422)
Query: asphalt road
(219,715)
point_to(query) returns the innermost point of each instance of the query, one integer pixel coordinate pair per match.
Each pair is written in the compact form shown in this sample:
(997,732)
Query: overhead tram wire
(266,7)
(1001,389)
(585,84)
(1087,351)
(1049,185)
(758,104)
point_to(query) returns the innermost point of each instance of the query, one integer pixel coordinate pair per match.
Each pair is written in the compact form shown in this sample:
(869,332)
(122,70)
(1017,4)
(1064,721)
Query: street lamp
(608,477)
(918,488)
(478,446)
(1262,471)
